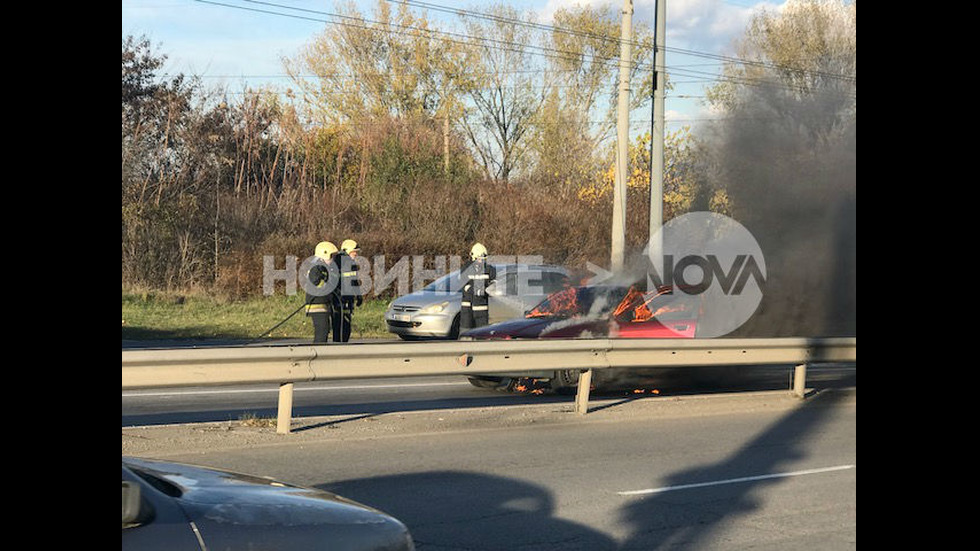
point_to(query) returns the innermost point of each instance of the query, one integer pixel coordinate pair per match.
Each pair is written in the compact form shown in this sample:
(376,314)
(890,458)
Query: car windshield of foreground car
(578,301)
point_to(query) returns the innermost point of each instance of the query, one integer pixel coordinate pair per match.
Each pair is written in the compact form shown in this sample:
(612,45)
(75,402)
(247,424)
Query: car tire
(454,329)
(498,383)
(565,381)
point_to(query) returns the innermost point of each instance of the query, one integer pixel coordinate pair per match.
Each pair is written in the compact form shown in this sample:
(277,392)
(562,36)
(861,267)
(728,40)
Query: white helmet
(349,245)
(478,251)
(325,250)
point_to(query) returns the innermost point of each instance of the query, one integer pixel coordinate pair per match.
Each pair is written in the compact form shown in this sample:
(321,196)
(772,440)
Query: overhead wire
(511,46)
(553,28)
(457,38)
(677,70)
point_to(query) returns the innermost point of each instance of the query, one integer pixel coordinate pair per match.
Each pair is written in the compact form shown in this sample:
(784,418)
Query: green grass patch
(155,316)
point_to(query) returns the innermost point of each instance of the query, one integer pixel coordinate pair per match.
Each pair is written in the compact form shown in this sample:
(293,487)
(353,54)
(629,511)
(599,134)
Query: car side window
(553,281)
(528,282)
(510,284)
(533,281)
(538,281)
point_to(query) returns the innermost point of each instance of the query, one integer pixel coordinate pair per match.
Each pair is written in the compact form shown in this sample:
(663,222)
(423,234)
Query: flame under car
(595,312)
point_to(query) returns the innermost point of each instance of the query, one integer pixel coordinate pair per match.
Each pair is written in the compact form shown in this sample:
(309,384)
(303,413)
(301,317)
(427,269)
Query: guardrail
(288,364)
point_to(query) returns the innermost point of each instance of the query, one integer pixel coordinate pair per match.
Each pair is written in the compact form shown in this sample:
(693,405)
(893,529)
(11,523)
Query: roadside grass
(252,420)
(157,315)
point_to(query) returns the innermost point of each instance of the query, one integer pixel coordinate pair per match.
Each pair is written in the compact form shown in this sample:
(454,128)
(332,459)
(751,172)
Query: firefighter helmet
(325,250)
(478,251)
(349,245)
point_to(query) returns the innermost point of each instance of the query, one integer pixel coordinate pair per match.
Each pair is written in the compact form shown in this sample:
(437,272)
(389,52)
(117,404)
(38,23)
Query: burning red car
(594,311)
(602,311)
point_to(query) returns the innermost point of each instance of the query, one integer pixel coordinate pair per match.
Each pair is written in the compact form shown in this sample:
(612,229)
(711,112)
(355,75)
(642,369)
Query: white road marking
(734,480)
(296,389)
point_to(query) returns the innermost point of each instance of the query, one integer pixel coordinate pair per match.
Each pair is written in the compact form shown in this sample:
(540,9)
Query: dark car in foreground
(170,506)
(596,312)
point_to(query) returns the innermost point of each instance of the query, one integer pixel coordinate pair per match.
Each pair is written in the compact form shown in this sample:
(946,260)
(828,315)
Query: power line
(549,52)
(699,77)
(468,40)
(694,53)
(761,82)
(358,22)
(501,19)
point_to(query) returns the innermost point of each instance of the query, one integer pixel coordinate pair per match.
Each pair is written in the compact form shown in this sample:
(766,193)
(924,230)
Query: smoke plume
(788,164)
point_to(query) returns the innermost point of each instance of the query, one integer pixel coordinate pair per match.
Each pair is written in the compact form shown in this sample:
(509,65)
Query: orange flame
(641,312)
(561,302)
(528,385)
(637,301)
(632,296)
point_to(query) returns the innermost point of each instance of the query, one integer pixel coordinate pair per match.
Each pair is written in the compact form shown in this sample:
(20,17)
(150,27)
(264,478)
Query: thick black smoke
(789,164)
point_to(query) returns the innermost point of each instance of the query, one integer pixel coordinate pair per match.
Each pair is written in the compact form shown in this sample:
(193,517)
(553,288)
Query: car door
(503,299)
(675,316)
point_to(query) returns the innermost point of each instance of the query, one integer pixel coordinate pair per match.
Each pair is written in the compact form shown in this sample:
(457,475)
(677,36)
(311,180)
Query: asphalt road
(747,470)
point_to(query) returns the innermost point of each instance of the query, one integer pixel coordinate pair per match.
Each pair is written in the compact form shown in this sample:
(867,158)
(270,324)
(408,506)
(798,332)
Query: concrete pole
(657,140)
(622,140)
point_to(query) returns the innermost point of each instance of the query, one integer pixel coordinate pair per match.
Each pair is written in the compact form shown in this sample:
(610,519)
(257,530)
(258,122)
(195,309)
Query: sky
(235,43)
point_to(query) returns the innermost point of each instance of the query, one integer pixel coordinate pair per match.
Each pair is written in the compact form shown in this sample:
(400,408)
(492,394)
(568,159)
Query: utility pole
(655,243)
(622,140)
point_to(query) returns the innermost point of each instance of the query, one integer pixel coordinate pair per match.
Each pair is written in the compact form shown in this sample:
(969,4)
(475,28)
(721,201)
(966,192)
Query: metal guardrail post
(582,394)
(285,416)
(799,381)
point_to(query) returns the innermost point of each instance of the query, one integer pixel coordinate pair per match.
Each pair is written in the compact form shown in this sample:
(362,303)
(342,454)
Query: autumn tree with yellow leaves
(685,185)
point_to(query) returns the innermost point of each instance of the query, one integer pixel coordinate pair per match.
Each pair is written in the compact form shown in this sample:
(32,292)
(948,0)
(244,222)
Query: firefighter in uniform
(477,274)
(350,290)
(320,305)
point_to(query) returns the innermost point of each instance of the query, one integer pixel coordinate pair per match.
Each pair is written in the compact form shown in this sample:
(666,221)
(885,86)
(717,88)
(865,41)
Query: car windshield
(578,301)
(449,283)
(454,281)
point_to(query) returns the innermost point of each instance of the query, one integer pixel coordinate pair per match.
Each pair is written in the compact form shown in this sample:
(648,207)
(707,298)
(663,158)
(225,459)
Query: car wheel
(499,383)
(565,381)
(454,330)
